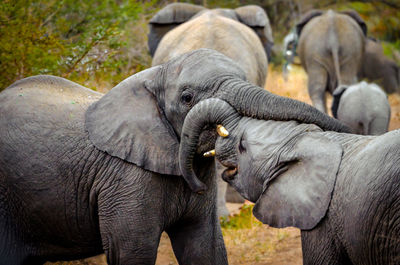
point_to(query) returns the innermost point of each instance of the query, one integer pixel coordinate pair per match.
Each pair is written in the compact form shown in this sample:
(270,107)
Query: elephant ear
(337,94)
(301,195)
(354,15)
(167,19)
(128,123)
(306,18)
(255,17)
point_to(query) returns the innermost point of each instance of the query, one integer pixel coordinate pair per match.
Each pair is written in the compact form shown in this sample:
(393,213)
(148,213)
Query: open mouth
(229,173)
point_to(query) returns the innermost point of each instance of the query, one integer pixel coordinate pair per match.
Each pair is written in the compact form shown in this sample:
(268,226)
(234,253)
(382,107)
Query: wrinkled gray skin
(363,107)
(341,190)
(180,27)
(330,47)
(82,173)
(377,67)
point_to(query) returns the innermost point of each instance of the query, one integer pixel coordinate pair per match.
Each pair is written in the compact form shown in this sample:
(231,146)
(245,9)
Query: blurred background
(98,43)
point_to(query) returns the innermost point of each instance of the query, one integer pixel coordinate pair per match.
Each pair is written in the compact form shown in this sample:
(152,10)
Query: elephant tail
(335,56)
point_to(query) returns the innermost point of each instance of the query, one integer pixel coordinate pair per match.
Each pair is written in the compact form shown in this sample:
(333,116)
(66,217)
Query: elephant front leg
(198,242)
(130,232)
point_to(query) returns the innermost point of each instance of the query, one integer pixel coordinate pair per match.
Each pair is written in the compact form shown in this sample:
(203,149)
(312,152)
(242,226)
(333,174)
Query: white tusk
(222,131)
(209,153)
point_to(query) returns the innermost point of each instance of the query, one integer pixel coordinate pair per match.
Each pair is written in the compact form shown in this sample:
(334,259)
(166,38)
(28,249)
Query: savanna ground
(248,242)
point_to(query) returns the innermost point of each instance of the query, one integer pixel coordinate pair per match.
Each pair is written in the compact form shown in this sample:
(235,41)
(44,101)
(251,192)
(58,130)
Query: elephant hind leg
(317,84)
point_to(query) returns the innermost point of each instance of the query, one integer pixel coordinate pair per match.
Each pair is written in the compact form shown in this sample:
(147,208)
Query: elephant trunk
(252,101)
(209,111)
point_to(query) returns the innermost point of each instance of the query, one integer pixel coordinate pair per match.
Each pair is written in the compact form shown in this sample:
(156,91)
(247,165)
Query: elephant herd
(82,173)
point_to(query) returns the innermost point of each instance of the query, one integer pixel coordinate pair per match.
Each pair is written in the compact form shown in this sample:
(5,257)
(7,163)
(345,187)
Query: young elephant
(363,107)
(82,173)
(341,190)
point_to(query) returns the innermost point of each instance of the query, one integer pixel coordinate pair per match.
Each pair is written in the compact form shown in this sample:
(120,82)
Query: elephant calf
(363,107)
(341,190)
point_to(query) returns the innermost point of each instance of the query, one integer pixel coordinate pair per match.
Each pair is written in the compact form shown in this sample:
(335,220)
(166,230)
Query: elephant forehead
(262,136)
(204,63)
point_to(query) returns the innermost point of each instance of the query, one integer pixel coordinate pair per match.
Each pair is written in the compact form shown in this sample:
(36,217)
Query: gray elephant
(182,27)
(331,48)
(82,173)
(341,190)
(363,107)
(377,67)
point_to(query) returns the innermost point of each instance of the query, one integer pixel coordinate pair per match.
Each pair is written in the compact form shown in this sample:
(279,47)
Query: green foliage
(244,219)
(79,40)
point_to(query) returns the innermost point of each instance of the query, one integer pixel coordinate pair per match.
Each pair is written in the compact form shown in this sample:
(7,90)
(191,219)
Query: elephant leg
(378,126)
(199,241)
(222,210)
(130,232)
(317,83)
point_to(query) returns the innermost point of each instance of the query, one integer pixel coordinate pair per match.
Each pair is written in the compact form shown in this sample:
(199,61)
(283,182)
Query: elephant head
(140,120)
(315,13)
(175,14)
(288,169)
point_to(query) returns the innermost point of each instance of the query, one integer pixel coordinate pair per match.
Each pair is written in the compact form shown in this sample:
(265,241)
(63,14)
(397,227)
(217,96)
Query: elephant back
(216,32)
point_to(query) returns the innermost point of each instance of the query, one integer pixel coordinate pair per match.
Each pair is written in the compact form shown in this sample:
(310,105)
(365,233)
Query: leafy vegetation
(98,43)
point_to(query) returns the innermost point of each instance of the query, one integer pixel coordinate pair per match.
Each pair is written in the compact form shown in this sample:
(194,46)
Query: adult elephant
(341,190)
(82,173)
(243,34)
(377,67)
(331,48)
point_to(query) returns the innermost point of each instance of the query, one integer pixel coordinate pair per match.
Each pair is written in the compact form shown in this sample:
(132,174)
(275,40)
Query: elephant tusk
(222,131)
(209,153)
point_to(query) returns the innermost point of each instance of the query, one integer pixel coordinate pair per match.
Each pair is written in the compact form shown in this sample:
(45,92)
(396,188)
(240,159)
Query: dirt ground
(261,244)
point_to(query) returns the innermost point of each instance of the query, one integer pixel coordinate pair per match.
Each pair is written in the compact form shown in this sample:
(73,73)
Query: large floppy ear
(306,18)
(301,196)
(168,18)
(354,15)
(128,123)
(255,17)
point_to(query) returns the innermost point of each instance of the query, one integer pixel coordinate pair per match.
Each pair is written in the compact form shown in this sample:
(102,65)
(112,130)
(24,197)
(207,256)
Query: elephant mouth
(229,173)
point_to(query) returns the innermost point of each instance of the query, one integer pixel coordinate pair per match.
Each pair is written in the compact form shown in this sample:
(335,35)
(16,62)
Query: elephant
(377,67)
(342,190)
(82,172)
(182,27)
(363,107)
(330,47)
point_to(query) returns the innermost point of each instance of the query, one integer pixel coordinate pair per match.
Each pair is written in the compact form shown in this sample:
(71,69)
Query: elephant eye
(187,98)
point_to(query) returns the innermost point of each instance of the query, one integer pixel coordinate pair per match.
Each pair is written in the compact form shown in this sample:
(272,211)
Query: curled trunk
(209,111)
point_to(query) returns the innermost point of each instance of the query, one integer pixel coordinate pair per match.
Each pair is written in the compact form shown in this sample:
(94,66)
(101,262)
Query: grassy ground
(247,240)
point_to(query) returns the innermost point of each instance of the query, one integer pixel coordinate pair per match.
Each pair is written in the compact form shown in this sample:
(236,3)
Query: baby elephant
(363,107)
(341,190)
